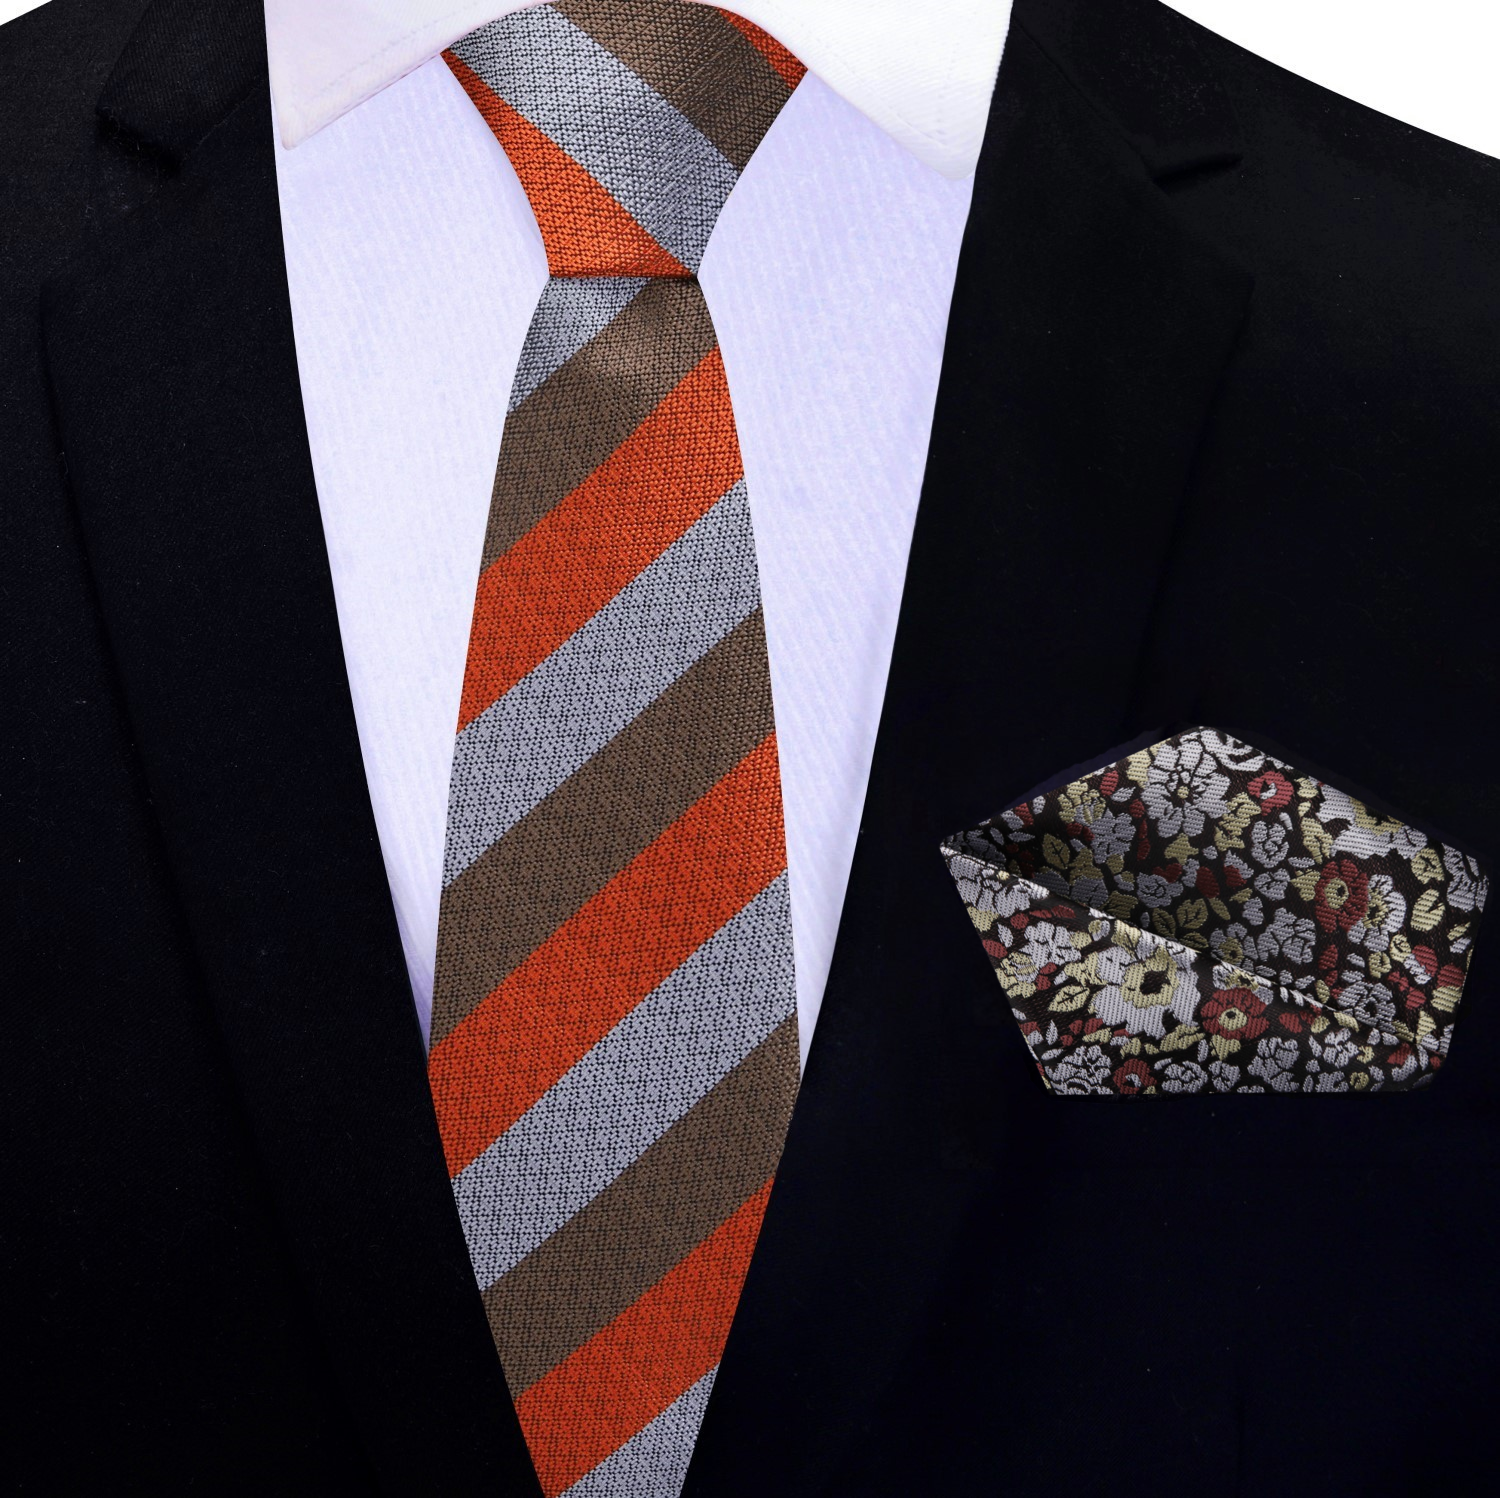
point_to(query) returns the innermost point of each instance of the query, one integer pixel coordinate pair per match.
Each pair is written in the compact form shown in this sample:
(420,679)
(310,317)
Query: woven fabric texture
(1202,917)
(614,1035)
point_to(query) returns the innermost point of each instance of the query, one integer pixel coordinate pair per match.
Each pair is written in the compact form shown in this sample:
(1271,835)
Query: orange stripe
(599,964)
(662,478)
(785,63)
(644,1359)
(585,230)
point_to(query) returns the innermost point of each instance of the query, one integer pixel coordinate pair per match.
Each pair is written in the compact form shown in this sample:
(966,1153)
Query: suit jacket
(1215,441)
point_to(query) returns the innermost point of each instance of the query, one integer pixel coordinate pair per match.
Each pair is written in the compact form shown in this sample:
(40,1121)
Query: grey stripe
(571,312)
(653,1463)
(672,1049)
(554,720)
(645,152)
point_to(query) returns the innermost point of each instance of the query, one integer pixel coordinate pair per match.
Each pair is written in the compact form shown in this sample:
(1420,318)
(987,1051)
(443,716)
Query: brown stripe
(618,804)
(583,411)
(711,1161)
(694,59)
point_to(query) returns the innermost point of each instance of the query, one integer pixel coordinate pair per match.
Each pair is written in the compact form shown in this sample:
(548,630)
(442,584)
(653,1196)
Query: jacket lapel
(1087,336)
(169,344)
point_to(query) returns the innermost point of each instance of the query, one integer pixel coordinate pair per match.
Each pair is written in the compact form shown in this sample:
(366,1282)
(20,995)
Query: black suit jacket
(1215,441)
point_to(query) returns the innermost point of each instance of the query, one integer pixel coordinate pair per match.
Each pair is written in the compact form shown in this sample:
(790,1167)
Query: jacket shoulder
(1156,75)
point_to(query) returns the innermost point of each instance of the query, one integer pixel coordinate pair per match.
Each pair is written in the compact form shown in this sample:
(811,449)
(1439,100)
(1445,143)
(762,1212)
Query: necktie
(614,1035)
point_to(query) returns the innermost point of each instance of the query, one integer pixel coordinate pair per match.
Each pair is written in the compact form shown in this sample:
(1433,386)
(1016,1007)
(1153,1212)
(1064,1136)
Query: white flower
(1328,1081)
(1274,1059)
(1466,886)
(982,888)
(1184,788)
(1224,1075)
(1366,836)
(1114,832)
(1231,753)
(1269,841)
(1373,1007)
(1045,941)
(1383,916)
(1143,984)
(1157,890)
(1183,1076)
(1082,1071)
(1287,936)
(1336,1048)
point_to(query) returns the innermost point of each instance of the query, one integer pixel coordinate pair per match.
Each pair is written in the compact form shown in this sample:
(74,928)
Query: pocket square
(1202,917)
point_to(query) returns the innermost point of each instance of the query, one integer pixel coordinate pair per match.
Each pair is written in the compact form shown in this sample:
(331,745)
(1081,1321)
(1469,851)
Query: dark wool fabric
(1215,443)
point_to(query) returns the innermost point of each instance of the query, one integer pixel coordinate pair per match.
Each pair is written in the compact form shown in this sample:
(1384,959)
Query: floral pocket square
(1201,917)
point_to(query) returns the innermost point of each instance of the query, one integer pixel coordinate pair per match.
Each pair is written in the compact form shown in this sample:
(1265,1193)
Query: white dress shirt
(414,265)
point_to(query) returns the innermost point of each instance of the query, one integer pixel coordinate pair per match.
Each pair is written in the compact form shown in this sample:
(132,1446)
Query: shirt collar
(923,72)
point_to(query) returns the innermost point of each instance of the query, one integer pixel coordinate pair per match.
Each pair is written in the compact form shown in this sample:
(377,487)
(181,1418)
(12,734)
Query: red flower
(1273,791)
(1134,1076)
(1342,895)
(1109,783)
(1234,1013)
(1207,885)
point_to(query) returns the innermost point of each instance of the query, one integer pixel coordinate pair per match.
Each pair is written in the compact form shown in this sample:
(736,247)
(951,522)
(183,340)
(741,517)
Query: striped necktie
(614,1033)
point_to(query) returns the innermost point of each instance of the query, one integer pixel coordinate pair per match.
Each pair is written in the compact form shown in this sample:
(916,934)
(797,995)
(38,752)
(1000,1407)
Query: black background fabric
(1215,442)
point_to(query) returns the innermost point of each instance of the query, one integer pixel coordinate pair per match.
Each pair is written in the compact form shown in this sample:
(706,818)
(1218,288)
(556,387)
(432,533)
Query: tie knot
(627,121)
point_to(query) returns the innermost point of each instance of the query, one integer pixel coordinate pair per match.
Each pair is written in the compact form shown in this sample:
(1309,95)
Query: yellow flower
(1017,975)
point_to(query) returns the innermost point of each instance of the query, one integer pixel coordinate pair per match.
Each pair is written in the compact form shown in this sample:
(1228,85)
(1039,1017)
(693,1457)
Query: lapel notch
(187,64)
(1136,64)
(170,352)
